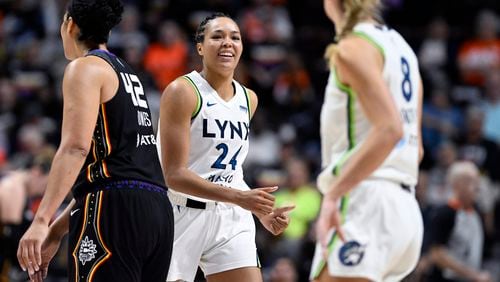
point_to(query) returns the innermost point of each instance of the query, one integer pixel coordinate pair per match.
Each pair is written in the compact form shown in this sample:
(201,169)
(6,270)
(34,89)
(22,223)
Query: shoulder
(90,66)
(356,58)
(253,99)
(90,69)
(355,50)
(251,95)
(179,92)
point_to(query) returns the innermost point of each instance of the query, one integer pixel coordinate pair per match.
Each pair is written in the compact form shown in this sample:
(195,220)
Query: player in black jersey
(120,221)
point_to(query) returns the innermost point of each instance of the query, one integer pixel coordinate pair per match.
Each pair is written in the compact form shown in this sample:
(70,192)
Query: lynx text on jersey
(215,128)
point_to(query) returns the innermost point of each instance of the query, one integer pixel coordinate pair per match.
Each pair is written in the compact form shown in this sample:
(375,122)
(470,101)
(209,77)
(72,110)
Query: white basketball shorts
(383,229)
(218,238)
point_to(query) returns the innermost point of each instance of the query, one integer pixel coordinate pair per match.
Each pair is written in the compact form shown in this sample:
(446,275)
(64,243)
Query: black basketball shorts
(121,231)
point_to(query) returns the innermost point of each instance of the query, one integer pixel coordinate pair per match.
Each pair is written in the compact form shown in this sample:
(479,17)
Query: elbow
(78,150)
(174,178)
(393,132)
(436,255)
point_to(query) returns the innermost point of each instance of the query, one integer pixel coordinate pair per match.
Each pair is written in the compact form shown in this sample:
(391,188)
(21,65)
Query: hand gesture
(49,249)
(329,218)
(29,250)
(277,221)
(259,200)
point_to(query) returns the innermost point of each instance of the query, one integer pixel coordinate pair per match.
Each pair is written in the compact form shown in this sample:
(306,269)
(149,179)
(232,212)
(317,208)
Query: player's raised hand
(277,221)
(259,200)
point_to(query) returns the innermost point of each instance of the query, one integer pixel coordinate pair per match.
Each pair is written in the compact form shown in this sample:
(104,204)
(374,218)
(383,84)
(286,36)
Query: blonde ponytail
(355,11)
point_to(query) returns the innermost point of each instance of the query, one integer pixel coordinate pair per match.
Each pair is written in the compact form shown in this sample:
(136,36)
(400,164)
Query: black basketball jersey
(123,143)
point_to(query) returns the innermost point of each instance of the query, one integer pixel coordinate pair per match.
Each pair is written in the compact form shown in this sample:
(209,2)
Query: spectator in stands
(475,147)
(20,195)
(479,55)
(456,234)
(283,270)
(167,58)
(436,53)
(441,120)
(491,106)
(437,191)
(306,198)
(128,31)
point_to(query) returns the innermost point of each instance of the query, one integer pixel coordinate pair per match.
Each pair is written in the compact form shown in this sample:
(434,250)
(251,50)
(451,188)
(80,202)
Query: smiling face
(221,47)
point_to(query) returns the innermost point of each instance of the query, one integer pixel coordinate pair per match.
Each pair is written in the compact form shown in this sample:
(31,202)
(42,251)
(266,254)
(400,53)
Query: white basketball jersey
(344,125)
(219,135)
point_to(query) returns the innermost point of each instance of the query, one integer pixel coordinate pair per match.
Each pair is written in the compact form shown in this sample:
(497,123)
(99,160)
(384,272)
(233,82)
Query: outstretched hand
(259,200)
(277,221)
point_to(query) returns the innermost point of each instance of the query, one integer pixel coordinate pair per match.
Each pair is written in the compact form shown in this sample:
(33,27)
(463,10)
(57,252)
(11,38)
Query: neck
(365,19)
(84,50)
(220,83)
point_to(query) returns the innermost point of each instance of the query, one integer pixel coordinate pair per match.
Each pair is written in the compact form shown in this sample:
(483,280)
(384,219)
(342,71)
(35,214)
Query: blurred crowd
(284,41)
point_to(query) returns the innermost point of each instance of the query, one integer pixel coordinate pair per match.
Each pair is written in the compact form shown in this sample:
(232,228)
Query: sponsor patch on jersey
(351,253)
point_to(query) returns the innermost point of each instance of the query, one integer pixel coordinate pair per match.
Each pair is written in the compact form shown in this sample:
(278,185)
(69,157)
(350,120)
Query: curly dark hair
(95,18)
(200,32)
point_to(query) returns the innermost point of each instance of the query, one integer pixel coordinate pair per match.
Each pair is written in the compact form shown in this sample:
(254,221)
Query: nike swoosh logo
(71,213)
(210,104)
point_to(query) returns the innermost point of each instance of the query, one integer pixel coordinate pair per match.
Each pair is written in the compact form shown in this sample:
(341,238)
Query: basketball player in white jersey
(204,129)
(370,227)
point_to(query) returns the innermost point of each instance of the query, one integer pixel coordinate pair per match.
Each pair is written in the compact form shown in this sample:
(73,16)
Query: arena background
(283,62)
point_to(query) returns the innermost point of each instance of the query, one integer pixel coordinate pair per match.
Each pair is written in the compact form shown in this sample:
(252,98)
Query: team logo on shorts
(87,250)
(351,253)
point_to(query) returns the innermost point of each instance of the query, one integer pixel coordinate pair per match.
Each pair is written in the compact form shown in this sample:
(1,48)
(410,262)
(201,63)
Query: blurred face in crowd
(464,178)
(37,182)
(283,271)
(493,86)
(467,188)
(221,47)
(298,173)
(169,33)
(447,154)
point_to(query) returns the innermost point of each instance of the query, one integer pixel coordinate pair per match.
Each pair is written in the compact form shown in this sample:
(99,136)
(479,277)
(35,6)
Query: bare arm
(254,102)
(420,109)
(82,84)
(439,255)
(81,91)
(12,197)
(177,105)
(60,226)
(359,65)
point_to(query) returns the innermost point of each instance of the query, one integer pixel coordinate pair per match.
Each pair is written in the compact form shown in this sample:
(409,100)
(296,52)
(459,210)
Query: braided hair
(200,31)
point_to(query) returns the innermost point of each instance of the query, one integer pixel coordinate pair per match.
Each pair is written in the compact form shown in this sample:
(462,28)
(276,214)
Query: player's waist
(124,184)
(189,201)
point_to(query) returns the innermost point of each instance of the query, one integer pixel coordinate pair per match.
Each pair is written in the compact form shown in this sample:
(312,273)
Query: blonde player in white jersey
(204,126)
(370,227)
